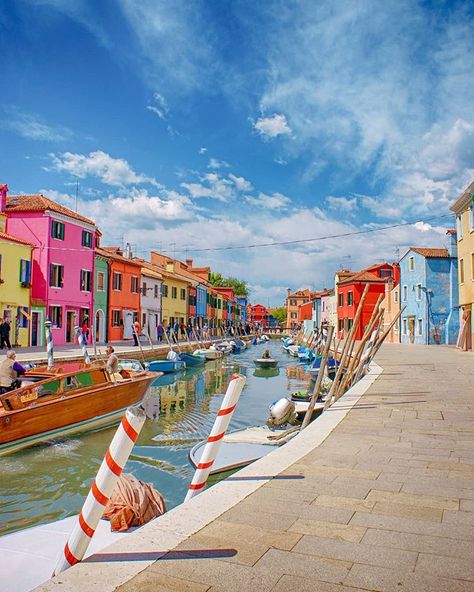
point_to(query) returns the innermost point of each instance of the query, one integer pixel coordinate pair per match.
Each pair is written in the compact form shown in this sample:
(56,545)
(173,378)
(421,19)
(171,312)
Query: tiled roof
(464,200)
(431,253)
(364,276)
(15,239)
(153,269)
(111,253)
(39,203)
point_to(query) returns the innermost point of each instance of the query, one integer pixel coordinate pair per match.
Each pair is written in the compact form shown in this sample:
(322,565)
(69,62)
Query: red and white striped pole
(209,454)
(102,488)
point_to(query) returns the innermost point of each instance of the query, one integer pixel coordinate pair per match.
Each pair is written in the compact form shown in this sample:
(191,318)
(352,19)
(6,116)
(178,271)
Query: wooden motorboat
(67,402)
(209,353)
(266,362)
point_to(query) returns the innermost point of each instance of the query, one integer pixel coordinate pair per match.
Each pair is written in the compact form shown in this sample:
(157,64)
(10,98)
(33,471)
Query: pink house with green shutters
(63,264)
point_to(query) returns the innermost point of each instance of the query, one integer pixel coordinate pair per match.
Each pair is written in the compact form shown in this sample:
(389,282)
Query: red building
(305,312)
(258,314)
(349,292)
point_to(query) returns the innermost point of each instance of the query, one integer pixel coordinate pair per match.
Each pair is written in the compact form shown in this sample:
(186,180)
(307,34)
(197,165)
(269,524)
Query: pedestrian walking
(136,332)
(5,334)
(160,330)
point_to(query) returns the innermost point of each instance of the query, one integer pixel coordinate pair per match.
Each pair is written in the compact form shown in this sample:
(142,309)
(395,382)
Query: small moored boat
(209,353)
(192,359)
(266,362)
(166,365)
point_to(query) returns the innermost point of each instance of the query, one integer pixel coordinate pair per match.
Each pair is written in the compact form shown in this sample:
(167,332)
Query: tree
(279,314)
(240,286)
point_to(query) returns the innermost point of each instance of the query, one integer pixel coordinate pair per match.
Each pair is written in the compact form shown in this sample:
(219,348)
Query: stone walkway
(386,503)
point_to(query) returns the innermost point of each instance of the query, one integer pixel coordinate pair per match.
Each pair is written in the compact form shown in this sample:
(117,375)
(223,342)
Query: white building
(150,298)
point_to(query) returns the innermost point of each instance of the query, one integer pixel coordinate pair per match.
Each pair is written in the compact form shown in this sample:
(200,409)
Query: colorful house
(391,307)
(242,302)
(463,207)
(174,300)
(15,280)
(63,262)
(228,296)
(259,314)
(349,292)
(328,310)
(293,301)
(101,296)
(124,283)
(429,291)
(202,274)
(151,286)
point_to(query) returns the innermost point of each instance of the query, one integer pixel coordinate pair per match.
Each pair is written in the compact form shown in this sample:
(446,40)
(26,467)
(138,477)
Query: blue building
(242,303)
(429,291)
(201,305)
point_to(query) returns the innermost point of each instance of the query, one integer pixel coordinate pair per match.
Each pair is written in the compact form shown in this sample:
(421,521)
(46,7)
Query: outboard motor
(281,412)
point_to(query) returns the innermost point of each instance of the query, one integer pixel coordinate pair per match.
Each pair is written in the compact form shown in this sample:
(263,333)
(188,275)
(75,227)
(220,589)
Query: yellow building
(463,207)
(15,283)
(220,305)
(174,290)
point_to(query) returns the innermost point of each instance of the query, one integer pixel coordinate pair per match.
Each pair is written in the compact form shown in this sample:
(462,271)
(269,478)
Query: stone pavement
(386,502)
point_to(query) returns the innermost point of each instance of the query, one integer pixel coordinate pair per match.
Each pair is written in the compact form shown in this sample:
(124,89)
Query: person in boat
(266,354)
(112,360)
(10,370)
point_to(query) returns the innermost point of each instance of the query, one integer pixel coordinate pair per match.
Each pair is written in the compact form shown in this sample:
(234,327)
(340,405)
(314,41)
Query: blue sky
(215,123)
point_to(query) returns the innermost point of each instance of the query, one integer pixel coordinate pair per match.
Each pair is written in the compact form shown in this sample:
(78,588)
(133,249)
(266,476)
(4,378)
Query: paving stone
(467,505)
(417,542)
(414,500)
(235,533)
(356,553)
(447,567)
(418,512)
(358,484)
(459,517)
(381,579)
(240,515)
(301,584)
(399,524)
(331,530)
(149,581)
(356,505)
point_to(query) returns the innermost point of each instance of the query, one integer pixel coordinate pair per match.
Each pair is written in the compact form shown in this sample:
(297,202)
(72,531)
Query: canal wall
(118,564)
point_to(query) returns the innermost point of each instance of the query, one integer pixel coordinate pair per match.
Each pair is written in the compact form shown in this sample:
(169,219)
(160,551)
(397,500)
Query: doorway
(70,321)
(411,329)
(99,326)
(35,328)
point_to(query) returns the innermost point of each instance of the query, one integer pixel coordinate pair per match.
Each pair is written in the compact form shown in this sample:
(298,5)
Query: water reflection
(50,481)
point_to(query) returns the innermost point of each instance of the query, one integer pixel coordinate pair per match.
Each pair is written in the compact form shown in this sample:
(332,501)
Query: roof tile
(40,203)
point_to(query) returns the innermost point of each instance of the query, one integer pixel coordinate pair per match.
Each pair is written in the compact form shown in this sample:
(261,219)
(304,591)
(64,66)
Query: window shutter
(50,274)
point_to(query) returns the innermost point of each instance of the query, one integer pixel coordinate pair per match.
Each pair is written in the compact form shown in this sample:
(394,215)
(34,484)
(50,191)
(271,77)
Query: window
(156,291)
(56,275)
(395,296)
(350,322)
(183,294)
(459,226)
(165,291)
(86,239)
(293,315)
(144,289)
(57,230)
(134,284)
(461,271)
(418,291)
(471,217)
(174,292)
(405,327)
(25,271)
(405,293)
(0,266)
(100,281)
(115,318)
(23,316)
(340,299)
(56,316)
(420,327)
(143,319)
(385,273)
(292,302)
(117,281)
(86,280)
(411,263)
(350,299)
(340,324)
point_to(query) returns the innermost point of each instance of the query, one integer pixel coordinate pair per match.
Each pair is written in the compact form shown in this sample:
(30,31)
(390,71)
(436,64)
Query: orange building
(293,301)
(124,293)
(305,312)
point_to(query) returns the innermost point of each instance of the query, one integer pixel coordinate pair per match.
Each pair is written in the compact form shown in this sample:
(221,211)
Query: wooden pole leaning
(345,349)
(317,386)
(137,337)
(49,343)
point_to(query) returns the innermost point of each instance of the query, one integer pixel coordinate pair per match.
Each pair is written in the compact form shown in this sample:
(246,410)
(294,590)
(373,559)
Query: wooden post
(345,349)
(317,386)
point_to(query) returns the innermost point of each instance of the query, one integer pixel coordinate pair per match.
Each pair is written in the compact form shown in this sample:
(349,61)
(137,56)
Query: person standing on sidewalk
(136,332)
(5,334)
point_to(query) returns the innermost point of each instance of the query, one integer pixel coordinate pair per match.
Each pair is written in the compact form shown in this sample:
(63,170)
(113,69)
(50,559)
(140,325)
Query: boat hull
(266,363)
(192,359)
(166,365)
(87,410)
(209,354)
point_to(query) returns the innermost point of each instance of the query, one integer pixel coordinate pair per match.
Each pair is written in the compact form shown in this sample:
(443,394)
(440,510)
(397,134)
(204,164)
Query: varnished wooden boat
(67,402)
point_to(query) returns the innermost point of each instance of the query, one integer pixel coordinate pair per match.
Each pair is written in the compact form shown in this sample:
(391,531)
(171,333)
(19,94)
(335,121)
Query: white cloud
(217,164)
(212,186)
(202,150)
(241,183)
(345,204)
(159,107)
(111,171)
(276,201)
(32,127)
(273,126)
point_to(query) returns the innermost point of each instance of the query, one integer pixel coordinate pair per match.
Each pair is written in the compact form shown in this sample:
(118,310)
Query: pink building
(63,263)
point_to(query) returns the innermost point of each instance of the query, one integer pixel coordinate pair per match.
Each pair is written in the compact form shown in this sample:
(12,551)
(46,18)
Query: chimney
(128,251)
(3,198)
(453,242)
(288,292)
(189,262)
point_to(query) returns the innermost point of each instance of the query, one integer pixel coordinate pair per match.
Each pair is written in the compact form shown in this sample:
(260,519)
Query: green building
(101,288)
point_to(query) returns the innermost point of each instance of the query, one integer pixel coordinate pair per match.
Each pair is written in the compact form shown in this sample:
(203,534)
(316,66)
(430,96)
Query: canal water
(50,481)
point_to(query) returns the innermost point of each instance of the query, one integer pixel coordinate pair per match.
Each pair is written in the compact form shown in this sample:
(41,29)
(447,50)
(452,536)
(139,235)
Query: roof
(364,276)
(306,293)
(40,203)
(430,253)
(111,253)
(15,239)
(464,199)
(148,269)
